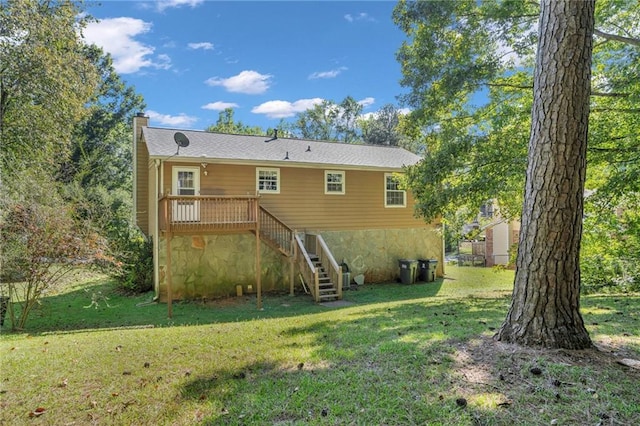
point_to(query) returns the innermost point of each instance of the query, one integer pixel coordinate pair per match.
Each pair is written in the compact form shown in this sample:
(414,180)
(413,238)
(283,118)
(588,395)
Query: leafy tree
(47,78)
(477,151)
(226,124)
(330,121)
(545,304)
(43,242)
(45,81)
(101,151)
(383,127)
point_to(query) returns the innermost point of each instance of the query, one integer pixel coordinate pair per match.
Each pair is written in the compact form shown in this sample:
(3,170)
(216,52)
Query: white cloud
(203,45)
(180,120)
(283,109)
(117,37)
(362,16)
(219,106)
(249,82)
(327,74)
(166,4)
(367,102)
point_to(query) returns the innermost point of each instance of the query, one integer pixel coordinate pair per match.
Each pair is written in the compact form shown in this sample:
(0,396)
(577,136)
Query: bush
(601,274)
(134,263)
(41,245)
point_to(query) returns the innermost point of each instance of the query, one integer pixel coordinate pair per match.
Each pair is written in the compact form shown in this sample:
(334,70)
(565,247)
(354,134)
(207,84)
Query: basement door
(185,183)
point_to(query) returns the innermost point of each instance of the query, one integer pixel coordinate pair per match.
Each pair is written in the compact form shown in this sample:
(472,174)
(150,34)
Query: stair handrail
(307,269)
(335,270)
(276,230)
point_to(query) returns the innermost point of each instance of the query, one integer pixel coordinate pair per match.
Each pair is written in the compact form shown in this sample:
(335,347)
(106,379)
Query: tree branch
(622,39)
(610,95)
(623,110)
(514,86)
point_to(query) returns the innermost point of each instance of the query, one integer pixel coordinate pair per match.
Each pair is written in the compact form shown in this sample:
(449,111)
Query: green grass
(398,355)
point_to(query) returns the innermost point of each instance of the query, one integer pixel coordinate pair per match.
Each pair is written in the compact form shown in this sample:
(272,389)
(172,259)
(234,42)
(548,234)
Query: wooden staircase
(327,289)
(318,269)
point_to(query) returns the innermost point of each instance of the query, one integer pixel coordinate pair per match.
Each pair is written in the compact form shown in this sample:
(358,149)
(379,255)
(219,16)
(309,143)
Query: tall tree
(545,304)
(330,121)
(100,155)
(382,127)
(45,81)
(226,124)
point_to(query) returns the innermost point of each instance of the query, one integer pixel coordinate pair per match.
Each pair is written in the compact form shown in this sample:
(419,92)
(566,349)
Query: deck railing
(326,258)
(307,270)
(276,230)
(207,213)
(314,243)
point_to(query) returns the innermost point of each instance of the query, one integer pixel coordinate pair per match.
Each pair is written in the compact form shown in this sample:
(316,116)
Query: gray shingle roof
(252,149)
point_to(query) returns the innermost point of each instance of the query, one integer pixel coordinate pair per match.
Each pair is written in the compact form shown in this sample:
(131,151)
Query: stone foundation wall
(211,266)
(375,252)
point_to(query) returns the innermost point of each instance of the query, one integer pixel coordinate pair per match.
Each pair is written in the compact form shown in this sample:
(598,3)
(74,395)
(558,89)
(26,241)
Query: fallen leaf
(37,412)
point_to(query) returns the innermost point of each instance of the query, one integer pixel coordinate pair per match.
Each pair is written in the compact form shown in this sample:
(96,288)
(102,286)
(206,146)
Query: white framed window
(334,182)
(267,180)
(393,195)
(185,181)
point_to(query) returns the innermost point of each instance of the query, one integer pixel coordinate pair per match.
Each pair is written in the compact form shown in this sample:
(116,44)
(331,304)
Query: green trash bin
(408,269)
(431,274)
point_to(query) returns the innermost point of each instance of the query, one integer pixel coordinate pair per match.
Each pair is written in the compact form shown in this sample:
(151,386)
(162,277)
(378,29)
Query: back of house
(206,198)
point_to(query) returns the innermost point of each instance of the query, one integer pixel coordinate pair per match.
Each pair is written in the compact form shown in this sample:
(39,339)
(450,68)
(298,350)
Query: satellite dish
(181,140)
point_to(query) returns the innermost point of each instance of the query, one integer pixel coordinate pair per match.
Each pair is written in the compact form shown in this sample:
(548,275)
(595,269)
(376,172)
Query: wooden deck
(208,214)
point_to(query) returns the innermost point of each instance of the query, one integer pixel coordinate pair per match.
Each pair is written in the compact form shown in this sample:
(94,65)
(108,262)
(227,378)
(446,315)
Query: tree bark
(545,307)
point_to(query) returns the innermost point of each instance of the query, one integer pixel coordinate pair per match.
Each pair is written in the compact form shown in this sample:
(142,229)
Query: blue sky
(267,60)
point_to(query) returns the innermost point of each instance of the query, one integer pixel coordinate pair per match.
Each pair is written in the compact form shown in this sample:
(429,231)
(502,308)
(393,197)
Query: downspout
(156,238)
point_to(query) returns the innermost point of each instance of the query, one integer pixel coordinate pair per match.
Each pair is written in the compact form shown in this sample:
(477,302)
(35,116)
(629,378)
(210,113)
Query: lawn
(394,354)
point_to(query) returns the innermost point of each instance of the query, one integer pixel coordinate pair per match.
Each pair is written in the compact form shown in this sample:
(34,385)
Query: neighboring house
(495,239)
(500,237)
(230,213)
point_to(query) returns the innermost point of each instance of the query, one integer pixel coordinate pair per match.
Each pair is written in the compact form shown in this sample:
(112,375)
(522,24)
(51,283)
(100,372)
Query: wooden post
(258,262)
(292,258)
(169,295)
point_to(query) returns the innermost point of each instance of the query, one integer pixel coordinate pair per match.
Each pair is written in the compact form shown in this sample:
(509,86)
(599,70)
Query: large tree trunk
(545,309)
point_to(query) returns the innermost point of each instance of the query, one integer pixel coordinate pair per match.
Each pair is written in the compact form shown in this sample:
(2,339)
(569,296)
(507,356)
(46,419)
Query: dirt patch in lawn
(526,380)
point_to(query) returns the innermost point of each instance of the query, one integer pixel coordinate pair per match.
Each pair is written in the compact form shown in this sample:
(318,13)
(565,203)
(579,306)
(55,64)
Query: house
(232,214)
(500,238)
(495,238)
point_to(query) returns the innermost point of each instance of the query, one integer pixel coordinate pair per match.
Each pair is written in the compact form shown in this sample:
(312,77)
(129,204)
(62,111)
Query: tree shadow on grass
(423,362)
(373,365)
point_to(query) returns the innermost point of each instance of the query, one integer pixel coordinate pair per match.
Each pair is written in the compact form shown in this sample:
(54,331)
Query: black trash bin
(408,270)
(423,270)
(431,274)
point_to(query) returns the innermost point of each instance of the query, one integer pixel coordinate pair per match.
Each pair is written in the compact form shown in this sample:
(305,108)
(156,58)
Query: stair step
(326,298)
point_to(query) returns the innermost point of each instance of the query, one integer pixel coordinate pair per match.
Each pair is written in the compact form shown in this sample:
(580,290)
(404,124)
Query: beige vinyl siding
(302,203)
(142,187)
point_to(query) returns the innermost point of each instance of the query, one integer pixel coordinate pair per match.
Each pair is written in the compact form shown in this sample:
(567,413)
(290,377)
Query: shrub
(42,244)
(134,262)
